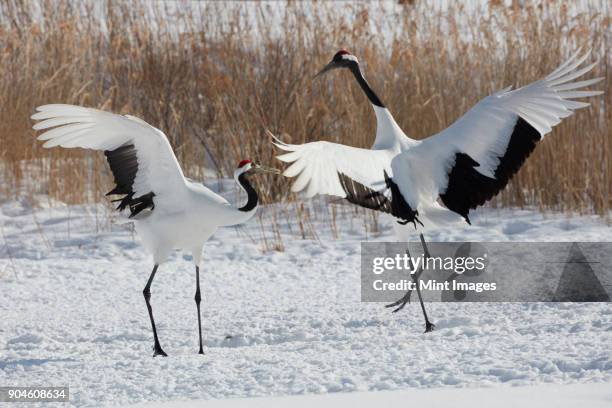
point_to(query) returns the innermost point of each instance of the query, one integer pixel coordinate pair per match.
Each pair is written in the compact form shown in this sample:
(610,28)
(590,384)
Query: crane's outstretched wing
(317,165)
(469,162)
(144,166)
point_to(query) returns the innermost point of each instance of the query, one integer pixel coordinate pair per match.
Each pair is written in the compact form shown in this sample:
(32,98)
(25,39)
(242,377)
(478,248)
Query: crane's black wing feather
(367,197)
(467,188)
(123,162)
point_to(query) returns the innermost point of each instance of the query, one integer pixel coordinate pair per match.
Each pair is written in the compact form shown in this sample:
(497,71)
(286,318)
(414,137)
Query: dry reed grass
(214,75)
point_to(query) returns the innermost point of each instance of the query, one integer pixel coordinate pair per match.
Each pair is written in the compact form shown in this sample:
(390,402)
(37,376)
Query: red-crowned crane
(438,180)
(169,211)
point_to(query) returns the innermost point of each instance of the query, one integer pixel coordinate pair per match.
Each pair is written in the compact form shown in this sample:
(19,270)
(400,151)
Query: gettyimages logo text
(413,264)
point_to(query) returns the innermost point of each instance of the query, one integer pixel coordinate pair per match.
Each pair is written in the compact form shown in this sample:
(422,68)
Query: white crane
(169,211)
(438,180)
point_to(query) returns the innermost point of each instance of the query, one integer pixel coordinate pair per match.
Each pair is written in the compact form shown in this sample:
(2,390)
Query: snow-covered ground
(72,313)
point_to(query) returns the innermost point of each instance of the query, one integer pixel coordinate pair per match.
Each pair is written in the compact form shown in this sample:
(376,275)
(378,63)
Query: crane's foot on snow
(157,351)
(402,302)
(429,326)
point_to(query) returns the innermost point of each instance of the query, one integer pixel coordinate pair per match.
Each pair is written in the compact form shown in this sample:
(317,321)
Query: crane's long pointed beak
(328,67)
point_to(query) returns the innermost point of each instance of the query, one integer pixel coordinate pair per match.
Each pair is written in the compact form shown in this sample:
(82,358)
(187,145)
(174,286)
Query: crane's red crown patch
(244,162)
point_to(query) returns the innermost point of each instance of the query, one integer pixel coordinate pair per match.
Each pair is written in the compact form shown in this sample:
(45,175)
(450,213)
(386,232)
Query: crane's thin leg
(428,325)
(147,295)
(198,299)
(425,249)
(415,277)
(401,302)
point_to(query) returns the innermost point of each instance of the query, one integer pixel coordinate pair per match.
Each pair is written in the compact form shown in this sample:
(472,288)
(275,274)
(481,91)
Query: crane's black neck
(374,99)
(252,198)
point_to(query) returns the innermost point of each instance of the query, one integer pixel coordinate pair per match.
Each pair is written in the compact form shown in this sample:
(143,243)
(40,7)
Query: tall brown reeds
(214,75)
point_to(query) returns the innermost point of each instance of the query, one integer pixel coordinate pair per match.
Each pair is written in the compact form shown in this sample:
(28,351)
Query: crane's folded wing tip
(50,106)
(42,108)
(301,182)
(280,145)
(287,174)
(287,157)
(273,136)
(578,94)
(40,115)
(270,134)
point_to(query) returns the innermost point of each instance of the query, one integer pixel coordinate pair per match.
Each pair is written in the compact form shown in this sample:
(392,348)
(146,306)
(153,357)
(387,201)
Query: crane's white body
(186,213)
(421,167)
(189,227)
